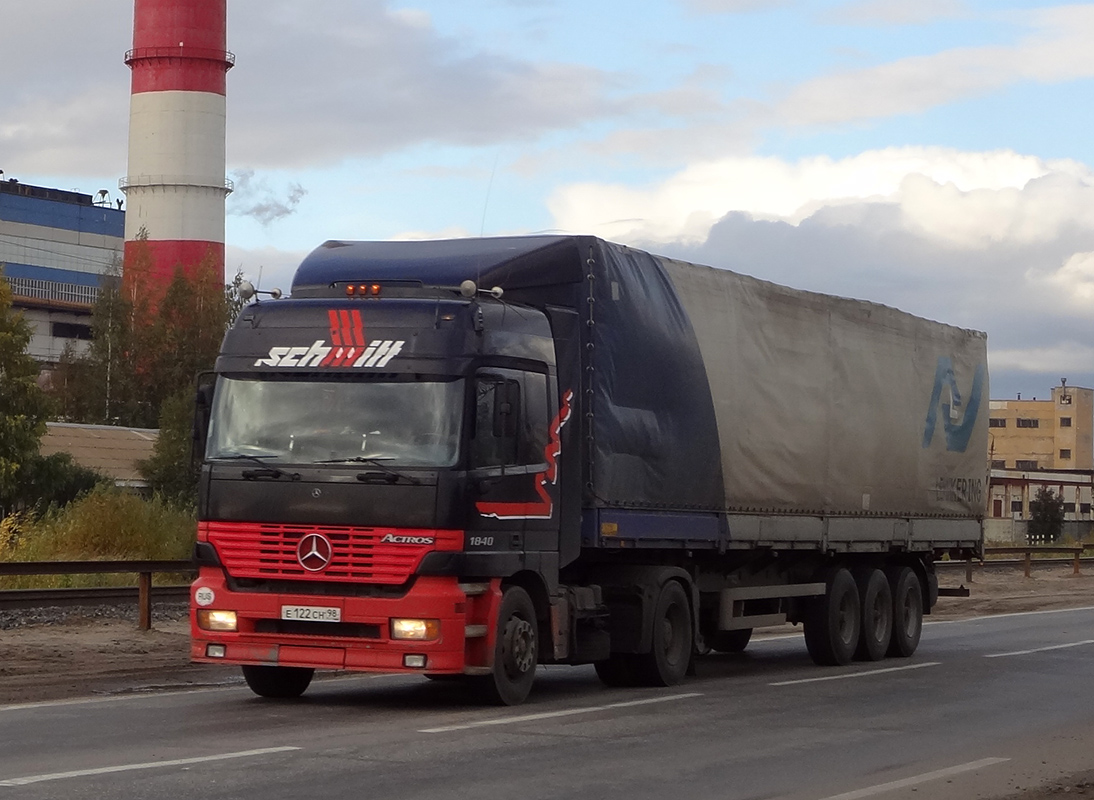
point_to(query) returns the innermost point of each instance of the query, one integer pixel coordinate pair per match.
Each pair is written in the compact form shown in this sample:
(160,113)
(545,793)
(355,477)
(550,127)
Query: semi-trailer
(467,458)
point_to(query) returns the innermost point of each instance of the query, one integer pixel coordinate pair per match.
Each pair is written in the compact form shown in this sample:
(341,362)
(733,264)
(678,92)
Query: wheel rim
(877,617)
(518,647)
(910,614)
(672,629)
(846,612)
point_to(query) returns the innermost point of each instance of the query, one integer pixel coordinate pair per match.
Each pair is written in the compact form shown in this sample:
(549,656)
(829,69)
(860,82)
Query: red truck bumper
(361,640)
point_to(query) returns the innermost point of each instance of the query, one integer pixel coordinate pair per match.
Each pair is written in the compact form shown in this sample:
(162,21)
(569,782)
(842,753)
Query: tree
(170,471)
(54,480)
(146,349)
(23,404)
(1046,517)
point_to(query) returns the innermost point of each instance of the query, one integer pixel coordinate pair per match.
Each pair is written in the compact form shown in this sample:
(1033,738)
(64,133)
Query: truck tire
(277,682)
(832,621)
(516,650)
(877,615)
(907,611)
(667,662)
(730,641)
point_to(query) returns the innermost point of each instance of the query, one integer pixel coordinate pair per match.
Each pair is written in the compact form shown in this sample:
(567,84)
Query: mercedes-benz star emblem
(314,552)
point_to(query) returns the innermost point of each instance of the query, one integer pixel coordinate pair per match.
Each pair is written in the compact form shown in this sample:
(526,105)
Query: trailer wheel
(877,615)
(278,682)
(667,662)
(730,641)
(515,651)
(907,612)
(832,622)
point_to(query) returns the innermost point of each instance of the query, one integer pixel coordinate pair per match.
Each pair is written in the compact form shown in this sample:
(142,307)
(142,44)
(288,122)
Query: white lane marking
(848,675)
(80,773)
(870,791)
(565,713)
(1040,649)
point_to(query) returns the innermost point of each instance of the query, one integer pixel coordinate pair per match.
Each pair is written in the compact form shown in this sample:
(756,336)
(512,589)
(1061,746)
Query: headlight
(210,620)
(421,630)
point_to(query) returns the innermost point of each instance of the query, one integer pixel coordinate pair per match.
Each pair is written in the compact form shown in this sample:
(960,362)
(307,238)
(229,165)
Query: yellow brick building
(1057,433)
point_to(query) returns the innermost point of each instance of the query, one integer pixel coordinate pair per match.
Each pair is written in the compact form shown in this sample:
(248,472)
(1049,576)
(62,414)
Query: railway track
(95,596)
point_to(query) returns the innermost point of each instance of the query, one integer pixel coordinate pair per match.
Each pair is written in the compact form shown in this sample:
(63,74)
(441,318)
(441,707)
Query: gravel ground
(31,617)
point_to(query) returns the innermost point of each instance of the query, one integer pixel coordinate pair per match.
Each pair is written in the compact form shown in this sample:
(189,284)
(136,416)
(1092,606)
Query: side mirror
(203,409)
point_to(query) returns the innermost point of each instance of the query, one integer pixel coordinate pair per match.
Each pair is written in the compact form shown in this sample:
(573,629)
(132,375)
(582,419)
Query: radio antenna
(489,187)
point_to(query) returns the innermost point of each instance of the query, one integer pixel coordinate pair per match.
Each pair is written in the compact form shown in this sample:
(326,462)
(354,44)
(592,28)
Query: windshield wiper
(386,474)
(354,459)
(238,456)
(266,472)
(269,472)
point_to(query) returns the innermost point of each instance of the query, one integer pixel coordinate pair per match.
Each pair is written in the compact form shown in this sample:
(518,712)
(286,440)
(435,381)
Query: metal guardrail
(88,596)
(1074,551)
(143,569)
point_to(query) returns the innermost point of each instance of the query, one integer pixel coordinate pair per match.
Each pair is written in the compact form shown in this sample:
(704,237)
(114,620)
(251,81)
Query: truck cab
(377,455)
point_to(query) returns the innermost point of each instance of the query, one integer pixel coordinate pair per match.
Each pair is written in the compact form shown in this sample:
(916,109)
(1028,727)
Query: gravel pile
(57,615)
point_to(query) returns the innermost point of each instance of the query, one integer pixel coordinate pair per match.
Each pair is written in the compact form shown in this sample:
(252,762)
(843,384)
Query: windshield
(307,422)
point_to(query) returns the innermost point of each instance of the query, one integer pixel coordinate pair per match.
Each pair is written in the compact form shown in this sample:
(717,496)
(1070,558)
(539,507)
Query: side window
(497,421)
(534,433)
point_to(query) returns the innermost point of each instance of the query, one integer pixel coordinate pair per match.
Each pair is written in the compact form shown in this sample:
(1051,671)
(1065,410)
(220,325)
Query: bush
(105,524)
(55,480)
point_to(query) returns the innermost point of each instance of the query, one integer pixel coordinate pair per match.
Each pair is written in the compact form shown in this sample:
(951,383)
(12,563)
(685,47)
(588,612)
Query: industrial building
(1056,433)
(57,248)
(1041,444)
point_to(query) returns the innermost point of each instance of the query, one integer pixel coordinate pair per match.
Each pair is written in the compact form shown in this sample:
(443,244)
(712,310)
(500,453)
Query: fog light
(214,651)
(421,630)
(414,662)
(210,620)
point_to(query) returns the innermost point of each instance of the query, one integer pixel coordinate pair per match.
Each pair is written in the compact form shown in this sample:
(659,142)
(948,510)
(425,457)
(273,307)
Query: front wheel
(277,682)
(515,650)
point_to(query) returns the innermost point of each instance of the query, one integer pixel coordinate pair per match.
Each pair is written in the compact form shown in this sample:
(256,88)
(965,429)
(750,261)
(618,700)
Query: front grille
(350,630)
(263,550)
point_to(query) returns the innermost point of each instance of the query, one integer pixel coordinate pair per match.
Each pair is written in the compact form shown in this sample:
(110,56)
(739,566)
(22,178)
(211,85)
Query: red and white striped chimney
(176,185)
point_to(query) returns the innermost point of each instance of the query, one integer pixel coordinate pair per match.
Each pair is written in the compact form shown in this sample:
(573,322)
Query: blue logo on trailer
(957,433)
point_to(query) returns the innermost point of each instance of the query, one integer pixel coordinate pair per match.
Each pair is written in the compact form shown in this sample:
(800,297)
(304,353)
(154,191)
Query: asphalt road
(985,706)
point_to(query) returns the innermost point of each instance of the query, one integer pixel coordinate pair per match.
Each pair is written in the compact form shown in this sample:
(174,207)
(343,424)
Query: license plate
(312,613)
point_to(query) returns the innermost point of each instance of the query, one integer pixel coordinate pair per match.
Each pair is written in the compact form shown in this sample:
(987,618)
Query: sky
(932,155)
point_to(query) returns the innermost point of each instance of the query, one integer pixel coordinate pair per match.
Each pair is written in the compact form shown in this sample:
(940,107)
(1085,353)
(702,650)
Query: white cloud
(1058,358)
(1075,280)
(1058,50)
(962,198)
(376,80)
